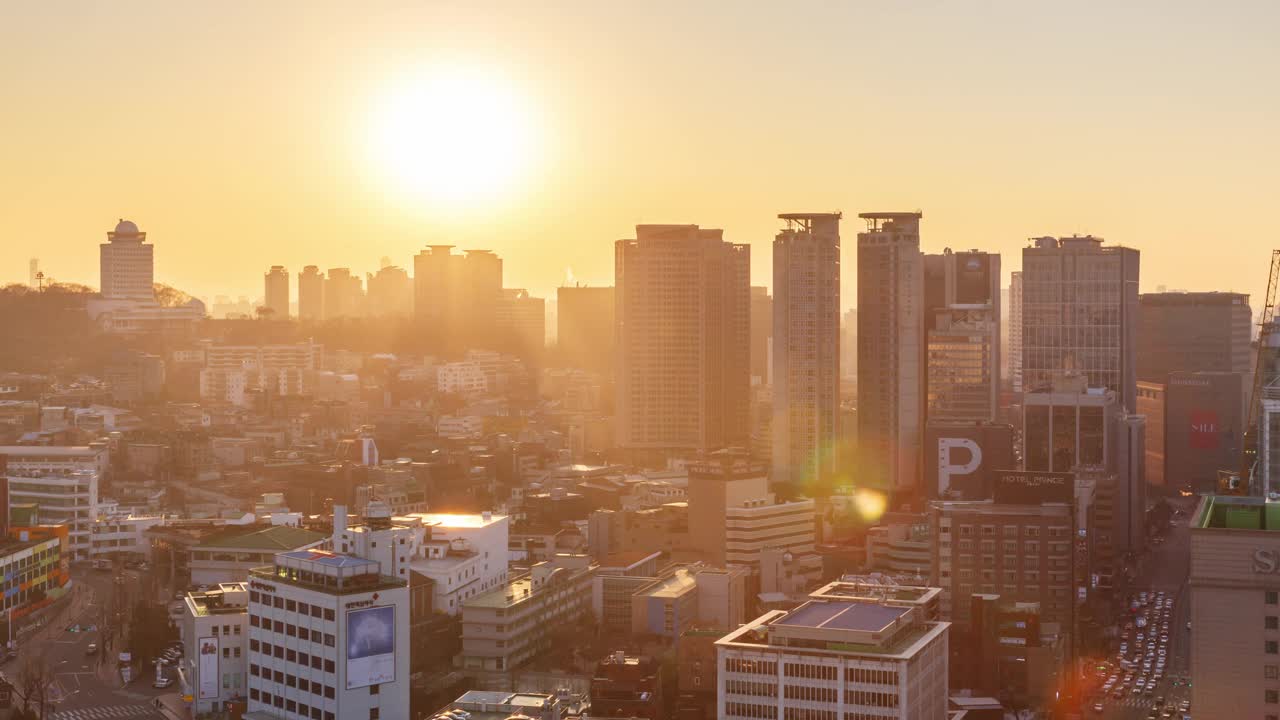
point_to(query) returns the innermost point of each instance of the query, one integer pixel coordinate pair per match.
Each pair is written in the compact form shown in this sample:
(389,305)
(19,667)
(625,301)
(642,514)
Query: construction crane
(1244,481)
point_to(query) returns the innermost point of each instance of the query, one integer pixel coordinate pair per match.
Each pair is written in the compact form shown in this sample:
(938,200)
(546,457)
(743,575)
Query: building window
(1272,647)
(373,714)
(373,689)
(1272,697)
(1271,672)
(1273,597)
(1272,622)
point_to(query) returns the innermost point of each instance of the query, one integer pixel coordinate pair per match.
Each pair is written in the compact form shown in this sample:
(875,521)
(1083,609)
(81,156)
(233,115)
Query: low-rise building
(213,630)
(628,686)
(498,705)
(123,535)
(505,628)
(33,570)
(62,482)
(228,554)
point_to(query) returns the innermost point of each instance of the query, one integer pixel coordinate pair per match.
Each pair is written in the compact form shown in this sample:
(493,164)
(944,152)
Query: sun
(452,136)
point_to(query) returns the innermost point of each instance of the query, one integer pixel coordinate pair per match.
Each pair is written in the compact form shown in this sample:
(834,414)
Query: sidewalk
(173,706)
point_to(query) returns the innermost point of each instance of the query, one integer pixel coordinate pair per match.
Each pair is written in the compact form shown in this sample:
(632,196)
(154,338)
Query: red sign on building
(1204,430)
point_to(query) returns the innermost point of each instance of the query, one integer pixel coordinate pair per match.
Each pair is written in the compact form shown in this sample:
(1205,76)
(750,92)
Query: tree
(150,631)
(35,680)
(169,296)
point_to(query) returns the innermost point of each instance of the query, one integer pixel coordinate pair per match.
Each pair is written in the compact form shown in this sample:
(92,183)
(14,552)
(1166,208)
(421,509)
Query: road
(87,687)
(1166,568)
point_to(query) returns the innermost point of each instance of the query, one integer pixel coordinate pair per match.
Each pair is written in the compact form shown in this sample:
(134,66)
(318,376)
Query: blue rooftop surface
(327,558)
(865,617)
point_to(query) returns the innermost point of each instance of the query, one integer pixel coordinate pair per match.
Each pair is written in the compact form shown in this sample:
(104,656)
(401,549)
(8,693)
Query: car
(1097,707)
(162,682)
(1118,693)
(1185,706)
(91,649)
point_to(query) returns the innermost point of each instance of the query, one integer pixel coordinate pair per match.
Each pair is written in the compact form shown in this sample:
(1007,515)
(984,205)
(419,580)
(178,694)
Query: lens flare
(870,504)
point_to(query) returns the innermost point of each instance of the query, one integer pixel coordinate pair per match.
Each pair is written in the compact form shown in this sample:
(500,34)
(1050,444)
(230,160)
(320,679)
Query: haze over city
(243,135)
(569,360)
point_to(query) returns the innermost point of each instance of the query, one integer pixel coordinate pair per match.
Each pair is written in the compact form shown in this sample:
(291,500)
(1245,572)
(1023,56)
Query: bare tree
(36,678)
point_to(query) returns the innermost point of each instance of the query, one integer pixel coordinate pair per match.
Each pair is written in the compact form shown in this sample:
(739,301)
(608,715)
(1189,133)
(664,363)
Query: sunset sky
(244,134)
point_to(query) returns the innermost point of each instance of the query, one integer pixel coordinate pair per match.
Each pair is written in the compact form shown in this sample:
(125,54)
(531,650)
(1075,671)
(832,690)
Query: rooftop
(227,598)
(673,585)
(866,617)
(459,520)
(1229,512)
(276,538)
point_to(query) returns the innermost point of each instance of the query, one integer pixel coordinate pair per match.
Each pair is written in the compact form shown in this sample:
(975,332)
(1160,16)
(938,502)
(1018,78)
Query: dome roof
(126,227)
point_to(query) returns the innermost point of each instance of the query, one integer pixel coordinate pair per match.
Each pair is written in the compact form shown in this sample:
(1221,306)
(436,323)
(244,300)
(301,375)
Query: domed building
(127,304)
(127,264)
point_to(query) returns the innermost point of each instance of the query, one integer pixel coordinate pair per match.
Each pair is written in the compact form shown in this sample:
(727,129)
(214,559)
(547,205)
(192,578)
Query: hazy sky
(238,134)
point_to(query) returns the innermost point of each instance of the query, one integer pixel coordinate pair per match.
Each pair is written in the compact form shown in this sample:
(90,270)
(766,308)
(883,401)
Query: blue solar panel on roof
(843,616)
(870,618)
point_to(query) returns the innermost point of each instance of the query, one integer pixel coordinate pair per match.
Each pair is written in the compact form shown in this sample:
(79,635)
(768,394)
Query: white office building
(464,555)
(124,535)
(63,483)
(328,639)
(213,631)
(836,659)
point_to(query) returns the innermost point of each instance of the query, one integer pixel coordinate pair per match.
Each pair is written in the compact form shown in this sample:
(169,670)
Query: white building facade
(328,639)
(835,660)
(214,639)
(63,483)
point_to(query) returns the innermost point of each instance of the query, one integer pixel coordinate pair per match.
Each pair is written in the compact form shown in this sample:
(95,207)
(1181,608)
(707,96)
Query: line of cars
(1143,654)
(171,655)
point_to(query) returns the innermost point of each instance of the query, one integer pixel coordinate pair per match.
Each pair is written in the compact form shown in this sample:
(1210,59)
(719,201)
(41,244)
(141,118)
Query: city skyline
(1002,142)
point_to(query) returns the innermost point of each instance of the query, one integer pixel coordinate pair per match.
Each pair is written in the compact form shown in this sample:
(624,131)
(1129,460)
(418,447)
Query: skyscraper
(849,345)
(962,337)
(343,295)
(1193,332)
(390,292)
(481,293)
(585,328)
(1014,351)
(761,334)
(275,292)
(683,327)
(890,334)
(520,325)
(436,272)
(310,294)
(1079,311)
(456,297)
(806,347)
(126,264)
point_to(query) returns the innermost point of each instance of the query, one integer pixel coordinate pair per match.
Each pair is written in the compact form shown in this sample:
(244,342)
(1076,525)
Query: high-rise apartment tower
(275,292)
(806,347)
(683,326)
(890,358)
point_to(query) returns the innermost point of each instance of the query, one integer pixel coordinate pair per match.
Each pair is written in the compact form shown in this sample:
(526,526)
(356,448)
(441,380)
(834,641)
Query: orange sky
(237,134)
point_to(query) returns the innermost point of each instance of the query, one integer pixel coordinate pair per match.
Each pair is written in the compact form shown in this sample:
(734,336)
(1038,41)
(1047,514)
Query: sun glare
(452,137)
